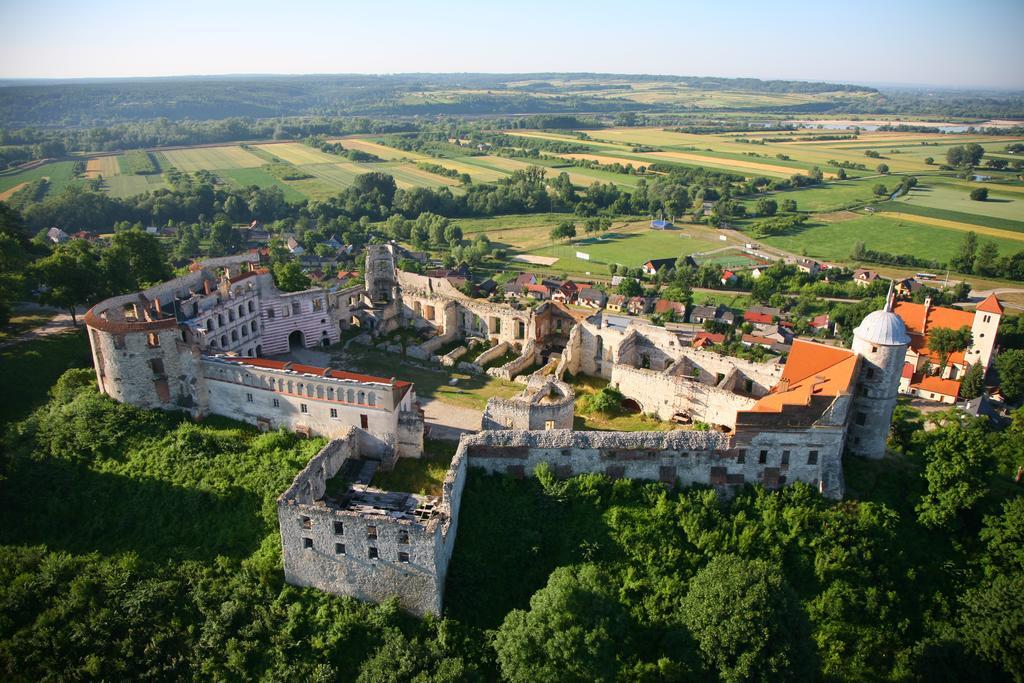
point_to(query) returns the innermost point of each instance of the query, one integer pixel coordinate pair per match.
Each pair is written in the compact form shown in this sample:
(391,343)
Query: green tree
(946,340)
(1010,366)
(958,465)
(880,190)
(979,194)
(766,206)
(224,239)
(992,622)
(69,277)
(964,260)
(747,621)
(882,168)
(987,261)
(575,630)
(630,287)
(788,205)
(289,277)
(973,382)
(929,160)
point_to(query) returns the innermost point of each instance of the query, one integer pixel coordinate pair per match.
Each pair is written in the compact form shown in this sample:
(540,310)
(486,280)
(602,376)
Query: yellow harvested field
(8,193)
(383,151)
(731,163)
(602,159)
(836,216)
(479,174)
(298,153)
(211,158)
(102,166)
(956,225)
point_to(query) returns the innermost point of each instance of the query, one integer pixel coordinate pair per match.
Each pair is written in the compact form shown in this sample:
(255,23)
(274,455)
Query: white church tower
(881,340)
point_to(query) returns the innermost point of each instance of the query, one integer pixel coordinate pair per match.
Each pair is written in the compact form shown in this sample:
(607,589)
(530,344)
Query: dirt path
(59,324)
(447,421)
(7,194)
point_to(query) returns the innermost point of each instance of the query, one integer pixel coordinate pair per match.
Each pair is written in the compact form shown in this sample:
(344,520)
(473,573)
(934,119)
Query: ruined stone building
(195,343)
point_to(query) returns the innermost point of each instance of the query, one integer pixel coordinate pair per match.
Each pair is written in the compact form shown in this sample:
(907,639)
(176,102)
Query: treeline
(917,575)
(317,142)
(25,144)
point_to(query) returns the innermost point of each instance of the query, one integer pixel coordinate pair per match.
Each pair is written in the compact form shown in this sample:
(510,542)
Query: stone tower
(881,341)
(381,278)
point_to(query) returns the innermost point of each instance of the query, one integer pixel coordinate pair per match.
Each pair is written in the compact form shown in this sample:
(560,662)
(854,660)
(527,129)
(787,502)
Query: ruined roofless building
(192,344)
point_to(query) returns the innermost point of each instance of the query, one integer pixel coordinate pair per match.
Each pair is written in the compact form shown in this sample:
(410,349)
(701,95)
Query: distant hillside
(103,101)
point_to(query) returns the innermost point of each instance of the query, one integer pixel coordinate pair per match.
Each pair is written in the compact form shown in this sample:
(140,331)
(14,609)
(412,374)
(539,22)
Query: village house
(592,298)
(720,314)
(728,277)
(808,266)
(513,290)
(654,265)
(908,287)
(664,306)
(616,302)
(705,339)
(57,236)
(638,305)
(865,278)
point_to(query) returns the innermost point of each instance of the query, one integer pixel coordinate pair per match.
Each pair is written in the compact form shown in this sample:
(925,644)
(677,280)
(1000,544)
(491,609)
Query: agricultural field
(106,167)
(194,159)
(946,194)
(59,173)
(244,177)
(830,196)
(130,185)
(298,153)
(835,240)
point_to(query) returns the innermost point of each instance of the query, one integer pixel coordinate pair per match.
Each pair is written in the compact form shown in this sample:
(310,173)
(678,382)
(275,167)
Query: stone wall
(367,555)
(667,395)
(496,351)
(681,457)
(531,354)
(544,404)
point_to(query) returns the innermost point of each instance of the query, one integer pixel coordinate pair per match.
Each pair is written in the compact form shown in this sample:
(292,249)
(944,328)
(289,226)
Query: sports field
(630,245)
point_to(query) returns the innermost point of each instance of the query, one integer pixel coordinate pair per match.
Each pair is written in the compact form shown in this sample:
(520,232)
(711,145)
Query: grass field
(60,173)
(31,367)
(947,196)
(130,185)
(211,158)
(631,246)
(835,241)
(244,177)
(830,196)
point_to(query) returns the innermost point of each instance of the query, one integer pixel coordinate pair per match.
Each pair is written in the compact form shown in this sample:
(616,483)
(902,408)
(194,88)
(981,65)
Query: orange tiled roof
(990,305)
(313,370)
(937,385)
(811,370)
(913,317)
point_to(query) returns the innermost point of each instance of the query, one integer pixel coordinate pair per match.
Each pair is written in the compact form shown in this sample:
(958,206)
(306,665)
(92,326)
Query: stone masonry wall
(666,395)
(330,548)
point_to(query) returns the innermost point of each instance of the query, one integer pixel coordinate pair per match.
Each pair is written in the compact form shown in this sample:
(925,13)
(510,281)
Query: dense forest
(135,544)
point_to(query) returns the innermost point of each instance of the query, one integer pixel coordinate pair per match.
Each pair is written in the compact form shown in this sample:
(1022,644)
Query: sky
(938,42)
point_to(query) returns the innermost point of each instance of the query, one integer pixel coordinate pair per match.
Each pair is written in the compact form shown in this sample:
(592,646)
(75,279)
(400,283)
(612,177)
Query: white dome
(882,327)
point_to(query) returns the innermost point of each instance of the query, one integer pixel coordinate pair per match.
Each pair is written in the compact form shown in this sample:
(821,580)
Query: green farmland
(835,241)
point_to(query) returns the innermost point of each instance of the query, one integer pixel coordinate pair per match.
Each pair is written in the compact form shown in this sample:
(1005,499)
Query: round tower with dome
(881,340)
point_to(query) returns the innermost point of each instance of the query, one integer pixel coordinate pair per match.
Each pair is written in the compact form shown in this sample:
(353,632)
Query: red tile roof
(752,317)
(913,317)
(330,373)
(908,371)
(937,385)
(811,370)
(990,305)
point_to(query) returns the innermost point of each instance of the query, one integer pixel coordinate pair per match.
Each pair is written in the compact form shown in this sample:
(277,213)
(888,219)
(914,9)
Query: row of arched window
(319,391)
